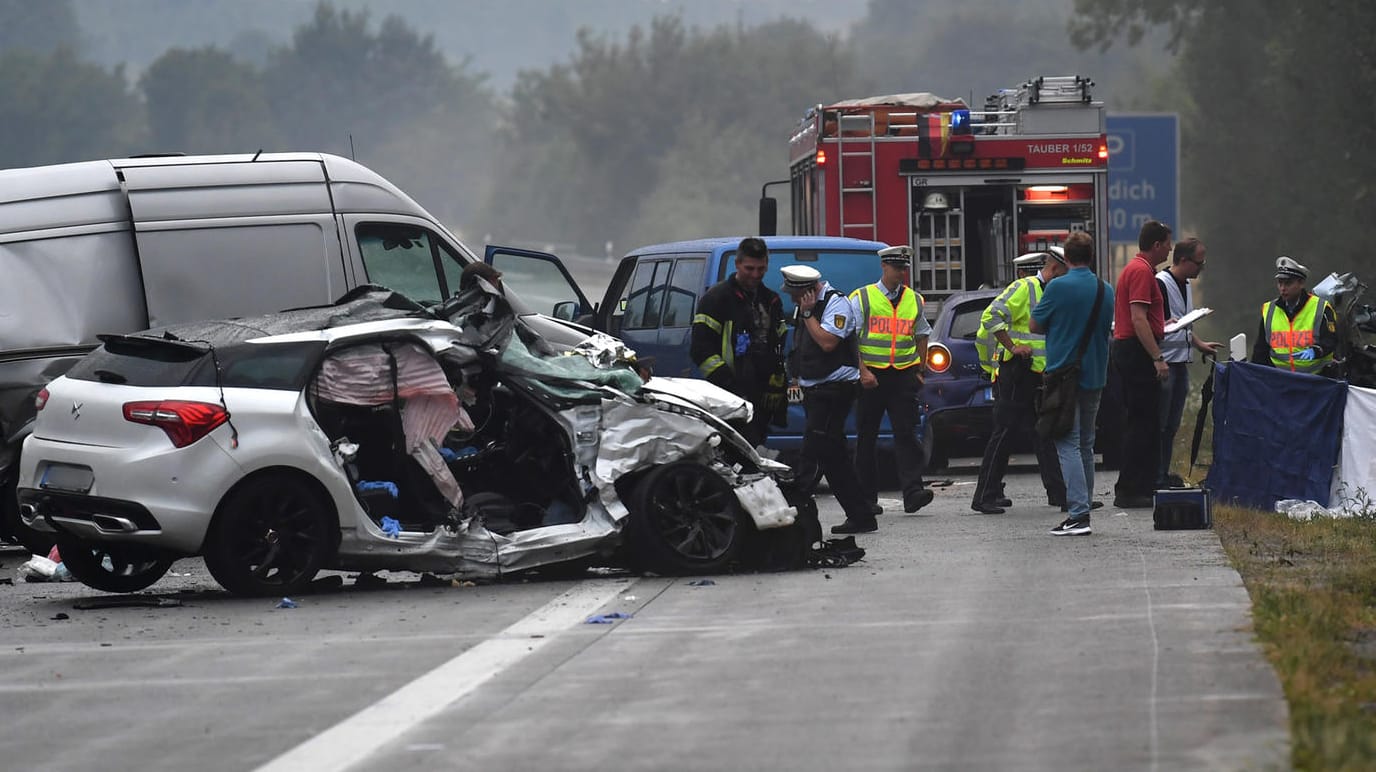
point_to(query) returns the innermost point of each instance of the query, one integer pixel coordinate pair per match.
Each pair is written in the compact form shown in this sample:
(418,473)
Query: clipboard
(1188,319)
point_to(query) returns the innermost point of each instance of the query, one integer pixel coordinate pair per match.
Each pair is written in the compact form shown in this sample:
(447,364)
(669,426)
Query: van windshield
(844,270)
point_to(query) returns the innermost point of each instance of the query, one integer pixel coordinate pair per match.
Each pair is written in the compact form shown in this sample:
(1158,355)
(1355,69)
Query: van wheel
(684,520)
(270,537)
(113,567)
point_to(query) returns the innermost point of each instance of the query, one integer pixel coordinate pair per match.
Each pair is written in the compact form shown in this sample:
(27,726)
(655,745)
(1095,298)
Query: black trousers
(1015,417)
(895,394)
(824,446)
(1141,456)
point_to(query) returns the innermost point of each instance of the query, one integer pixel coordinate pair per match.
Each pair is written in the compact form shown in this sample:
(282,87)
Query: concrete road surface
(962,641)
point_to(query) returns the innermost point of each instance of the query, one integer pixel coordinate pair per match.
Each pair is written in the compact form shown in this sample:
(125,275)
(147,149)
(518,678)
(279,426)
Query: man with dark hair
(1067,313)
(826,362)
(1299,330)
(1139,321)
(737,339)
(1186,262)
(474,271)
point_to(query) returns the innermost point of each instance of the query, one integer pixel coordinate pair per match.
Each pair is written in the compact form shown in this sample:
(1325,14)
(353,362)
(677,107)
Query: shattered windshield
(565,377)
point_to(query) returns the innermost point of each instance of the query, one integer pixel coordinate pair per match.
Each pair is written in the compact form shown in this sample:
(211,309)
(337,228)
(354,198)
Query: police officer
(825,362)
(893,345)
(1299,330)
(737,339)
(1020,357)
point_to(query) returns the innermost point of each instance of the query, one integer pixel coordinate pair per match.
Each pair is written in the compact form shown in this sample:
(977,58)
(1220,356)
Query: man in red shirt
(1139,321)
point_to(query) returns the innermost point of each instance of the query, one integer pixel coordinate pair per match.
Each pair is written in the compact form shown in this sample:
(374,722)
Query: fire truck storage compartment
(972,243)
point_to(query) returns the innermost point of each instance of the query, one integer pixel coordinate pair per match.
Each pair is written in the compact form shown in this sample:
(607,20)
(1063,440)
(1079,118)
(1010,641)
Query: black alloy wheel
(111,566)
(270,537)
(685,519)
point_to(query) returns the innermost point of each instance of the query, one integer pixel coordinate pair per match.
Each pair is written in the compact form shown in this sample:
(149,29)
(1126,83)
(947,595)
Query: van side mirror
(769,216)
(565,310)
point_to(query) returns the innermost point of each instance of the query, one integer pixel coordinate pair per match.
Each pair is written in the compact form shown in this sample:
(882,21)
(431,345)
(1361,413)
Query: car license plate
(67,477)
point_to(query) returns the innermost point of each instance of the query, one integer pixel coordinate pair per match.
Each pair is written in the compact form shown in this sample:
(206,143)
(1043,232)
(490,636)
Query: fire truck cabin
(968,190)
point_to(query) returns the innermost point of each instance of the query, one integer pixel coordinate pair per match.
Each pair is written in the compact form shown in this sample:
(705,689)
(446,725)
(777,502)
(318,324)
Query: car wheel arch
(258,475)
(272,533)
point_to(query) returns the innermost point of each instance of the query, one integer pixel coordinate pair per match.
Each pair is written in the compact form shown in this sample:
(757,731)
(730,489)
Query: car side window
(402,258)
(646,295)
(965,325)
(682,297)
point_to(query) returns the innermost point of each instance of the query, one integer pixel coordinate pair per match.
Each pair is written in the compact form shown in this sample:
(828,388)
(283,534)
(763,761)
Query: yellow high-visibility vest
(1011,311)
(886,333)
(1290,335)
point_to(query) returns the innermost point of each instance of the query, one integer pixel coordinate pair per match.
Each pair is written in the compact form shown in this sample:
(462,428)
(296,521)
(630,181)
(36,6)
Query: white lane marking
(355,738)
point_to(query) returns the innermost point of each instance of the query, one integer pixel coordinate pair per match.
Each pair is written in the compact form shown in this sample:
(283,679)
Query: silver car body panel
(182,488)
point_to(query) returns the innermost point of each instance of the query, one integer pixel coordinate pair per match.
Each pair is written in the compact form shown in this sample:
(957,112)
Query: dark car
(959,395)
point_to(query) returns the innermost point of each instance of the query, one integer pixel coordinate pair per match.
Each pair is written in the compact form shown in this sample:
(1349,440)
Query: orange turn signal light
(938,358)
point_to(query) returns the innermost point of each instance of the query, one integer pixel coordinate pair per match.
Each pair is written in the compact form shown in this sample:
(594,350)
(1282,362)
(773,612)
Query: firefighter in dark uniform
(826,363)
(1299,330)
(737,340)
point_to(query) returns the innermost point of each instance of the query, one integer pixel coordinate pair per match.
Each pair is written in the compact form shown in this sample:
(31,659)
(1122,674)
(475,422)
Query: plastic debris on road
(41,569)
(1296,509)
(286,603)
(607,619)
(391,526)
(701,583)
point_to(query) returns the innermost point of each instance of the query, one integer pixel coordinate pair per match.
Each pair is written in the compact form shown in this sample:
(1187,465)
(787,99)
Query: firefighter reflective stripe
(727,357)
(886,331)
(1011,311)
(1288,336)
(712,324)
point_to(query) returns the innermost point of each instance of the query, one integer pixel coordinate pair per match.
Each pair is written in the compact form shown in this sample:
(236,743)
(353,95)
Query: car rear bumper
(163,499)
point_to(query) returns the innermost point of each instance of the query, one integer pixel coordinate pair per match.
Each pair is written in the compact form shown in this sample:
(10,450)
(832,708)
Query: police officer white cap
(901,256)
(800,277)
(1030,260)
(1287,268)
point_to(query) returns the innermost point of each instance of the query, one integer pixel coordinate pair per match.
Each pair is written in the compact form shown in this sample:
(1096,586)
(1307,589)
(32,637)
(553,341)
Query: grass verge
(1313,590)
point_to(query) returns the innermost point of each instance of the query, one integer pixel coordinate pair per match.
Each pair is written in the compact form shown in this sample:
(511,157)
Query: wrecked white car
(375,434)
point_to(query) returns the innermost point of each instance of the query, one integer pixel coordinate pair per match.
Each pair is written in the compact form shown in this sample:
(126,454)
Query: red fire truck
(968,190)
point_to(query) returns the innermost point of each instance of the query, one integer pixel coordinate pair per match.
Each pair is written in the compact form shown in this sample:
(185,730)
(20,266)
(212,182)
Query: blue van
(653,294)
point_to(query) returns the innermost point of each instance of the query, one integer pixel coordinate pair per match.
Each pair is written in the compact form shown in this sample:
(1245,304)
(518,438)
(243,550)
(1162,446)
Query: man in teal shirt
(1063,314)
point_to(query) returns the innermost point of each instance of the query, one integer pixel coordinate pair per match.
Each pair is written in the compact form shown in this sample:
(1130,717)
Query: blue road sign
(1143,173)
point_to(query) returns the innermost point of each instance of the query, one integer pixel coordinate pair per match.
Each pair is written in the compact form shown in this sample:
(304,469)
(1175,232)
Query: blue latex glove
(364,486)
(1304,355)
(391,527)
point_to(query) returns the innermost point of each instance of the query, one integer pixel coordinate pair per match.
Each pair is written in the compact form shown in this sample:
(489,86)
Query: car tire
(684,519)
(112,567)
(270,536)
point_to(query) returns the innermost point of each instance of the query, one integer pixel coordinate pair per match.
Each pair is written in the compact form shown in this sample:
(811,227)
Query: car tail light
(184,422)
(938,358)
(40,399)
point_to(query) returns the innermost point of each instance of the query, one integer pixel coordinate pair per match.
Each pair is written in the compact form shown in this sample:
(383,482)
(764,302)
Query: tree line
(1277,133)
(669,131)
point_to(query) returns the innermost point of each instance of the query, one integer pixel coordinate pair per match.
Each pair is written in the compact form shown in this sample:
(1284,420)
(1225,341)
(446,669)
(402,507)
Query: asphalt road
(962,641)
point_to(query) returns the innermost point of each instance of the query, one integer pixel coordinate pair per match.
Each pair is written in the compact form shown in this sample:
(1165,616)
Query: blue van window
(682,298)
(647,292)
(844,270)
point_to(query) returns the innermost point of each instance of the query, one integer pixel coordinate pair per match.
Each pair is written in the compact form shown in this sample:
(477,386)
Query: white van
(121,245)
